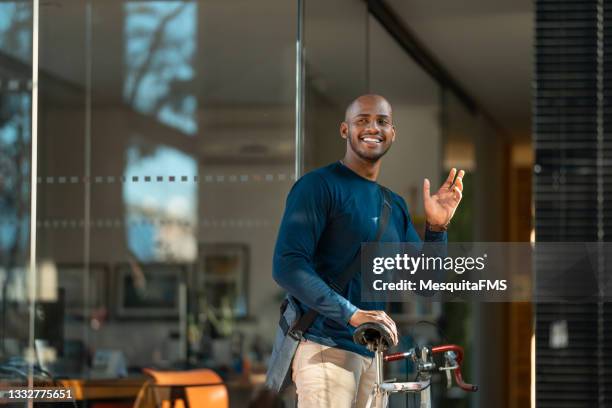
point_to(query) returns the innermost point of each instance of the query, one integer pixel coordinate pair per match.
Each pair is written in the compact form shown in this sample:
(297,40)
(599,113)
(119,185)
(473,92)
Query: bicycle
(378,340)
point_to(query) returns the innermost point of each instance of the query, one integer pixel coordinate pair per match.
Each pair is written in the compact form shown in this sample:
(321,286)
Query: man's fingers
(390,326)
(458,193)
(393,328)
(383,318)
(426,189)
(459,183)
(459,180)
(451,176)
(395,333)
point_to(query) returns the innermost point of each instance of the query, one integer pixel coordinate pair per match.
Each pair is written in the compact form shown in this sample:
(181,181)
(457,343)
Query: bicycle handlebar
(458,376)
(458,350)
(398,356)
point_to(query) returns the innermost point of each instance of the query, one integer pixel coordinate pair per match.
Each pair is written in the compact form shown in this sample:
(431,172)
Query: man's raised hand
(440,207)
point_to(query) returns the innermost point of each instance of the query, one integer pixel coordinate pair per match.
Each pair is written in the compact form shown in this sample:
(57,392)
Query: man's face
(369,129)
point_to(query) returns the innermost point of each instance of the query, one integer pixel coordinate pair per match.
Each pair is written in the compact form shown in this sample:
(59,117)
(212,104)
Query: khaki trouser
(330,377)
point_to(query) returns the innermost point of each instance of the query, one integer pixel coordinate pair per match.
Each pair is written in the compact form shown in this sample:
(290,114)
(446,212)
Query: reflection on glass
(15,129)
(15,40)
(159,49)
(14,175)
(145,290)
(461,129)
(155,271)
(333,79)
(14,219)
(16,29)
(161,217)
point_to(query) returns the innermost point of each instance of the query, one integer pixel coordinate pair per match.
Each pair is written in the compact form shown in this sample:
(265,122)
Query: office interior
(168,136)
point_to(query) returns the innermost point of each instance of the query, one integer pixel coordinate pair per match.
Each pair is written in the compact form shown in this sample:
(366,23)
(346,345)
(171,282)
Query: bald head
(366,103)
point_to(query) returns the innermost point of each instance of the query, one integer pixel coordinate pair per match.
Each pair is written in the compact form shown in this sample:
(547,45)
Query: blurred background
(169,134)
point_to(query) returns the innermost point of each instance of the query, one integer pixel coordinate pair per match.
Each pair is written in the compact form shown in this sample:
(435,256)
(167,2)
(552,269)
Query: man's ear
(393,137)
(344,130)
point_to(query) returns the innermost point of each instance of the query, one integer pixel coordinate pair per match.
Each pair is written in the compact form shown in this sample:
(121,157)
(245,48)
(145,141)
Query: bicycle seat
(375,336)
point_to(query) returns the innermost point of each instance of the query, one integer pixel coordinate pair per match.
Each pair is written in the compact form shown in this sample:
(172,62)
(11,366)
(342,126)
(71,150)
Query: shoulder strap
(302,325)
(385,213)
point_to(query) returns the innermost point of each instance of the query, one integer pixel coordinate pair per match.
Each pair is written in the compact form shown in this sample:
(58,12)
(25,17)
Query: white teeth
(369,139)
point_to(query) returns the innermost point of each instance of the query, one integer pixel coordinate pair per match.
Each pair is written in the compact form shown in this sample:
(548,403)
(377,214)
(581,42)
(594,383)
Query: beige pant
(330,377)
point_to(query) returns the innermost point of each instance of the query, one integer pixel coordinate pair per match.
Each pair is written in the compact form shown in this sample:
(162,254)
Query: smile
(371,140)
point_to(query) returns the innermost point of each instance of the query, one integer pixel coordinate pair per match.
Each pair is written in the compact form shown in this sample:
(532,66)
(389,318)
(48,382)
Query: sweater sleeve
(305,218)
(413,236)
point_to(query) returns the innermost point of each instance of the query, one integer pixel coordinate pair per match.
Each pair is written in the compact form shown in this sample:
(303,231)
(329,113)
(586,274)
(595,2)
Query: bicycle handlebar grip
(463,385)
(397,356)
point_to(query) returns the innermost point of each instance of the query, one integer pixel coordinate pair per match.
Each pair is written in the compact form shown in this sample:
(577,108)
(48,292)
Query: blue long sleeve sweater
(329,213)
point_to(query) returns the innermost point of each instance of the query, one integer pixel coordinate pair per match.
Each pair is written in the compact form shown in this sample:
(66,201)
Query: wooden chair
(183,389)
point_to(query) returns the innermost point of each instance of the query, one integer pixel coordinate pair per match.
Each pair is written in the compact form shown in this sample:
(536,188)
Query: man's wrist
(436,228)
(351,313)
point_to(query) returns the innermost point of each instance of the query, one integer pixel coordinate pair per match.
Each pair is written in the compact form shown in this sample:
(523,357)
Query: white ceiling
(486,45)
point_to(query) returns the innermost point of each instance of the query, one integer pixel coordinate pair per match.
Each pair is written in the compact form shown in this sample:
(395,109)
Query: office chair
(183,389)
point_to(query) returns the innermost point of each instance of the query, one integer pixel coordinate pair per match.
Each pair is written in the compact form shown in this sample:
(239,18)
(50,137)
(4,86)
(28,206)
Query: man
(329,213)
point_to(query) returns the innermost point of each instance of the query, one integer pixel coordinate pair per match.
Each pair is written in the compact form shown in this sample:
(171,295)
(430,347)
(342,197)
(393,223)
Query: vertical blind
(572,192)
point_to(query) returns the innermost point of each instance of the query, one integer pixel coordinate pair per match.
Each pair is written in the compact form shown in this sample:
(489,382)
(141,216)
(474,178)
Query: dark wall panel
(572,191)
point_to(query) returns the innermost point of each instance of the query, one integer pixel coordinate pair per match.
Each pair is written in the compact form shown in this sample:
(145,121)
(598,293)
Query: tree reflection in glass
(159,50)
(16,29)
(15,129)
(161,216)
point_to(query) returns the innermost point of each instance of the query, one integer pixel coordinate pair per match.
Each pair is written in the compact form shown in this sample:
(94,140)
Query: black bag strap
(303,323)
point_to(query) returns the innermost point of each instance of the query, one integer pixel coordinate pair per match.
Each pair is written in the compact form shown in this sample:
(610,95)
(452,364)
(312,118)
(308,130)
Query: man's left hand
(440,207)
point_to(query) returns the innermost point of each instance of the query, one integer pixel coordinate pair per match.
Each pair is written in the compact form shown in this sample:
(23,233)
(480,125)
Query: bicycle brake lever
(449,357)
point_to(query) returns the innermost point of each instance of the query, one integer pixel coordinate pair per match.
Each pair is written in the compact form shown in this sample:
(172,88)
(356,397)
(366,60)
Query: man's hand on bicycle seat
(378,316)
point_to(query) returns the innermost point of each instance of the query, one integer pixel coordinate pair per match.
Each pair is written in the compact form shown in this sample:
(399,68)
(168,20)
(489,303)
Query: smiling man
(329,213)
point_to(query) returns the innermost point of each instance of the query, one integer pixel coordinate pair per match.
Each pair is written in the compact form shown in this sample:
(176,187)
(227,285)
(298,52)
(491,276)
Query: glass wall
(16,312)
(461,128)
(335,55)
(166,150)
